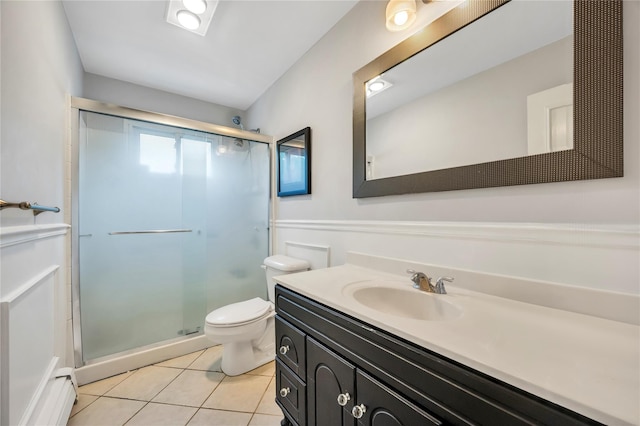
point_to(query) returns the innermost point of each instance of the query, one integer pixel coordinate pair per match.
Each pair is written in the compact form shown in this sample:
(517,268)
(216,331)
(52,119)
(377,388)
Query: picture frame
(294,163)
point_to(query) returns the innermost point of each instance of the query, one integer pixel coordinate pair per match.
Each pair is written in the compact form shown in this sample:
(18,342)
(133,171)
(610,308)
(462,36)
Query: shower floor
(188,390)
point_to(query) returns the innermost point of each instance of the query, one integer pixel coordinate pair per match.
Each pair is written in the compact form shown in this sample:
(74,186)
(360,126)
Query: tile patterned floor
(188,390)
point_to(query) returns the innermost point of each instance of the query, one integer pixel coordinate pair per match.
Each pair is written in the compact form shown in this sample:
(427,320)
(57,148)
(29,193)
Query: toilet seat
(240,313)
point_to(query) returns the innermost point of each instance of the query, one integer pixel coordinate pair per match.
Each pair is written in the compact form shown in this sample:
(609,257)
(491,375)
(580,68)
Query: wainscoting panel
(31,301)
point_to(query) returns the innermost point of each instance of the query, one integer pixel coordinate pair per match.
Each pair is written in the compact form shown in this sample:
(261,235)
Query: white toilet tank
(281,265)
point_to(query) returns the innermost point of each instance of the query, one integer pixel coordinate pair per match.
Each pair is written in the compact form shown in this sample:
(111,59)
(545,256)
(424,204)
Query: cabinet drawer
(290,393)
(290,347)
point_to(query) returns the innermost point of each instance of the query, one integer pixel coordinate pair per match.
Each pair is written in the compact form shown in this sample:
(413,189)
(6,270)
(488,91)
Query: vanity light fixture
(400,14)
(192,15)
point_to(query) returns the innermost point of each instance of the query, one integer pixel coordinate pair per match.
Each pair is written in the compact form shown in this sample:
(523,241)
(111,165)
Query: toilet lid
(238,313)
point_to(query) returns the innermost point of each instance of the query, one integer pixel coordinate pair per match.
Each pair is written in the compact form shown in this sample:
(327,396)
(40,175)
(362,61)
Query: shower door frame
(77,105)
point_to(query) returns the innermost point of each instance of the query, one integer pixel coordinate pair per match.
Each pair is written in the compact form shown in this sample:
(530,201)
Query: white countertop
(587,364)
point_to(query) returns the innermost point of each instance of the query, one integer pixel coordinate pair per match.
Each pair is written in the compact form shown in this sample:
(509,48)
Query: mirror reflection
(498,89)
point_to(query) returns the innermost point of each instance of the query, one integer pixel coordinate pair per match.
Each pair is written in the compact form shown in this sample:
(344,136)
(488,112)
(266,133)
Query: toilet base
(241,357)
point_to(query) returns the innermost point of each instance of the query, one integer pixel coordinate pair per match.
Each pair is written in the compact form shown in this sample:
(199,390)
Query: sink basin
(402,300)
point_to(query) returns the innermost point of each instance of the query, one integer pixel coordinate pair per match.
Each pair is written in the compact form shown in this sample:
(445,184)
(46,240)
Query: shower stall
(170,221)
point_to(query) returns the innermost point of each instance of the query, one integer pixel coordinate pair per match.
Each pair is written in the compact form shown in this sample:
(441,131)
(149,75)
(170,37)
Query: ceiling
(248,46)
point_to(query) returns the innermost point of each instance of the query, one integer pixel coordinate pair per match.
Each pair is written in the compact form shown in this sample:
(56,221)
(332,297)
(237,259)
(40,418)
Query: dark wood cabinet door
(328,376)
(381,406)
(290,346)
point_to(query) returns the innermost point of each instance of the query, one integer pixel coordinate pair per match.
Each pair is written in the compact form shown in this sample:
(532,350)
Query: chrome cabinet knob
(343,398)
(284,349)
(284,392)
(358,411)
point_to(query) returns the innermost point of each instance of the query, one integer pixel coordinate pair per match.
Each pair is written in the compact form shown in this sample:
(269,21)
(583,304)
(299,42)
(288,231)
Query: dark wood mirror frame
(302,187)
(598,117)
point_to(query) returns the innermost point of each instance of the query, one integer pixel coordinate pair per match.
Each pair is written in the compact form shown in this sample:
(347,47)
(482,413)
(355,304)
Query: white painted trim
(13,235)
(5,340)
(583,235)
(4,363)
(25,288)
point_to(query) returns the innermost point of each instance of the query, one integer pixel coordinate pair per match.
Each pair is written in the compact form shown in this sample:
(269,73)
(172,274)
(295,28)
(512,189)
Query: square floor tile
(191,387)
(265,420)
(106,411)
(161,414)
(181,361)
(206,417)
(145,383)
(239,393)
(209,360)
(268,402)
(82,402)
(103,386)
(269,369)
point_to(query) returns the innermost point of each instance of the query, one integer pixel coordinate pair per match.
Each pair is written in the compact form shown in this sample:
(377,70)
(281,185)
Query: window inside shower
(172,223)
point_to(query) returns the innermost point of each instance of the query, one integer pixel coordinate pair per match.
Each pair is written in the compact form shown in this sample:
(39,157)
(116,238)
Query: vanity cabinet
(332,369)
(332,399)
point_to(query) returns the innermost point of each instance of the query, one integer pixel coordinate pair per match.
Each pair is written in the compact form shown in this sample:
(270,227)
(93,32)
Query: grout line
(136,413)
(198,408)
(193,415)
(79,411)
(167,385)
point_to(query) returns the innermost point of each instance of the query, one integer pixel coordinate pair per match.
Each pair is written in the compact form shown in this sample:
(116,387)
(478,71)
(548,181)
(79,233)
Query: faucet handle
(417,277)
(440,284)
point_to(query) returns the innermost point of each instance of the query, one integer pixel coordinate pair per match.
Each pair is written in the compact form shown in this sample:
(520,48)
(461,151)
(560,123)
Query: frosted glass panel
(138,289)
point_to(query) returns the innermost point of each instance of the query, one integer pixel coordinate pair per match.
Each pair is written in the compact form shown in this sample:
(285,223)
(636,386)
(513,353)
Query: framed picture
(294,163)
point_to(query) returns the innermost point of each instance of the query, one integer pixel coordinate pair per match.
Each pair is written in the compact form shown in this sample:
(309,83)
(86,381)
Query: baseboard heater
(60,398)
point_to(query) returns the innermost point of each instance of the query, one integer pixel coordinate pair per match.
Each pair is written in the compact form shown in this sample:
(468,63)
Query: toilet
(246,329)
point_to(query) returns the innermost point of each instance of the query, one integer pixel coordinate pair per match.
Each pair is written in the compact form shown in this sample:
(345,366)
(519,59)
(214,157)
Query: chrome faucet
(423,282)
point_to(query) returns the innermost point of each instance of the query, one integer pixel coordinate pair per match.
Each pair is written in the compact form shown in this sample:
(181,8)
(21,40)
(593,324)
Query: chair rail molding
(13,235)
(583,235)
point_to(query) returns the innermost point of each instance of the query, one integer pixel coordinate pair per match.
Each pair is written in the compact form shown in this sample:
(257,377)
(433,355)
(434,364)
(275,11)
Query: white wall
(104,89)
(317,92)
(40,68)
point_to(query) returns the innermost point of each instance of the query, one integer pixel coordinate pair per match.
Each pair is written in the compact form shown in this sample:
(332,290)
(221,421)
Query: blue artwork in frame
(294,163)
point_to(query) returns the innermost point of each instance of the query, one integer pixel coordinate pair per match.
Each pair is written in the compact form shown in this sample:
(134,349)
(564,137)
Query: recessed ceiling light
(377,85)
(188,20)
(195,6)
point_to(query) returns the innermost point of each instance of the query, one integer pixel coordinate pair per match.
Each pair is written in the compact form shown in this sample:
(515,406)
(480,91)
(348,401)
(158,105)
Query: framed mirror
(294,163)
(493,93)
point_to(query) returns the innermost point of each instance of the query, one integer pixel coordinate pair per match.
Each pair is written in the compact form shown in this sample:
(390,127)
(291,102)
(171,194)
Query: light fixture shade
(188,20)
(195,6)
(400,14)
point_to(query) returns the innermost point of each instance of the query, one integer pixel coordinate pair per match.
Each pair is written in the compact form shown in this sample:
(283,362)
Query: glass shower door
(152,251)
